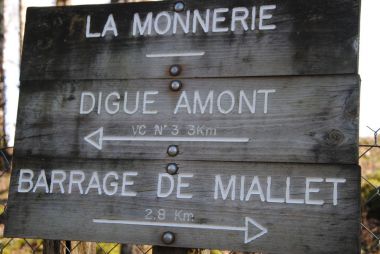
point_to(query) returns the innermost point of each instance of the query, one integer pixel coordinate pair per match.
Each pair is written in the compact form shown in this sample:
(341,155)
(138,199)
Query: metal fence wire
(369,158)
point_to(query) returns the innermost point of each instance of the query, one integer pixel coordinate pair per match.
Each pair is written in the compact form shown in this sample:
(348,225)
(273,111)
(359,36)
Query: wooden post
(83,247)
(169,250)
(128,249)
(52,247)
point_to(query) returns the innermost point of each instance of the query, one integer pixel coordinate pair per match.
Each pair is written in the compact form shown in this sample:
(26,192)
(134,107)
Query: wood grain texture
(308,119)
(311,37)
(292,228)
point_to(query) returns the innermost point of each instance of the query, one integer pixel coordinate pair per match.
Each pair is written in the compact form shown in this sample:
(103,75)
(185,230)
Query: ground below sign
(205,124)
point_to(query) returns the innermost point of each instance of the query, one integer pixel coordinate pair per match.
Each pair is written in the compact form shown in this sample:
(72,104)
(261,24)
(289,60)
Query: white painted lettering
(76,177)
(88,28)
(113,184)
(224,191)
(170,178)
(265,16)
(242,187)
(110,26)
(257,191)
(253,24)
(185,25)
(94,184)
(146,101)
(183,102)
(288,199)
(269,197)
(182,185)
(162,19)
(309,190)
(239,14)
(92,101)
(57,177)
(203,106)
(41,182)
(25,181)
(133,111)
(115,103)
(139,28)
(217,19)
(139,130)
(335,182)
(266,95)
(204,23)
(126,182)
(100,102)
(243,98)
(232,102)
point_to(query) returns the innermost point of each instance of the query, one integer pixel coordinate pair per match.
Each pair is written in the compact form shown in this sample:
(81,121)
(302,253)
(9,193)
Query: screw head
(172,168)
(168,237)
(175,85)
(175,70)
(173,150)
(179,6)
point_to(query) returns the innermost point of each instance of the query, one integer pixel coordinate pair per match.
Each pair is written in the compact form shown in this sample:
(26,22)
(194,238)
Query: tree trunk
(169,250)
(2,134)
(53,247)
(83,247)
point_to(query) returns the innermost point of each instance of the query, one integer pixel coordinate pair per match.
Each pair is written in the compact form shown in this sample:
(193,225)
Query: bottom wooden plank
(261,207)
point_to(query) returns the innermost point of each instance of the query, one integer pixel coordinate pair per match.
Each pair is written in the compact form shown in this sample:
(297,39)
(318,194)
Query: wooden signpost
(218,124)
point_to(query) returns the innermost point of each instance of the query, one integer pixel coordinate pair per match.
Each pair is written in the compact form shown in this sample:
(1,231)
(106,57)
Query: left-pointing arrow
(250,226)
(97,138)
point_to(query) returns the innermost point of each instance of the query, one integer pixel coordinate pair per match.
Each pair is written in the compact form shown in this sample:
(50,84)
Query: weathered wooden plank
(307,119)
(320,218)
(297,37)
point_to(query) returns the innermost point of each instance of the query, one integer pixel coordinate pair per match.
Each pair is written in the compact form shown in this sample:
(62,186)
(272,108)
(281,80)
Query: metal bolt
(172,168)
(175,70)
(173,150)
(179,6)
(168,237)
(175,85)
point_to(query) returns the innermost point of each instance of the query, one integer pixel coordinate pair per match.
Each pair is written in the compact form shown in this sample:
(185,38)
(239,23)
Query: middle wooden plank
(290,119)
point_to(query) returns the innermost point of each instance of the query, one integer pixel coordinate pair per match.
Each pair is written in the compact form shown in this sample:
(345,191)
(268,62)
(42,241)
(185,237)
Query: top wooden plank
(287,37)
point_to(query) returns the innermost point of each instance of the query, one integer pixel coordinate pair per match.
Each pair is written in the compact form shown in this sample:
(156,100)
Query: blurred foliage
(21,246)
(370,197)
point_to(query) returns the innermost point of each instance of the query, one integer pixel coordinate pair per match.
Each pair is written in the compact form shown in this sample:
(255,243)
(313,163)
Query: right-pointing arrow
(250,226)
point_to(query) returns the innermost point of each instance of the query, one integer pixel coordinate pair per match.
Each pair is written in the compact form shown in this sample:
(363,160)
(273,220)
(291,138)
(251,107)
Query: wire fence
(369,159)
(370,196)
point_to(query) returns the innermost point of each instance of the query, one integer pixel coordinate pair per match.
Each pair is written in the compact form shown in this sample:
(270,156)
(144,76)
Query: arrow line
(168,224)
(97,137)
(175,139)
(184,54)
(249,223)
